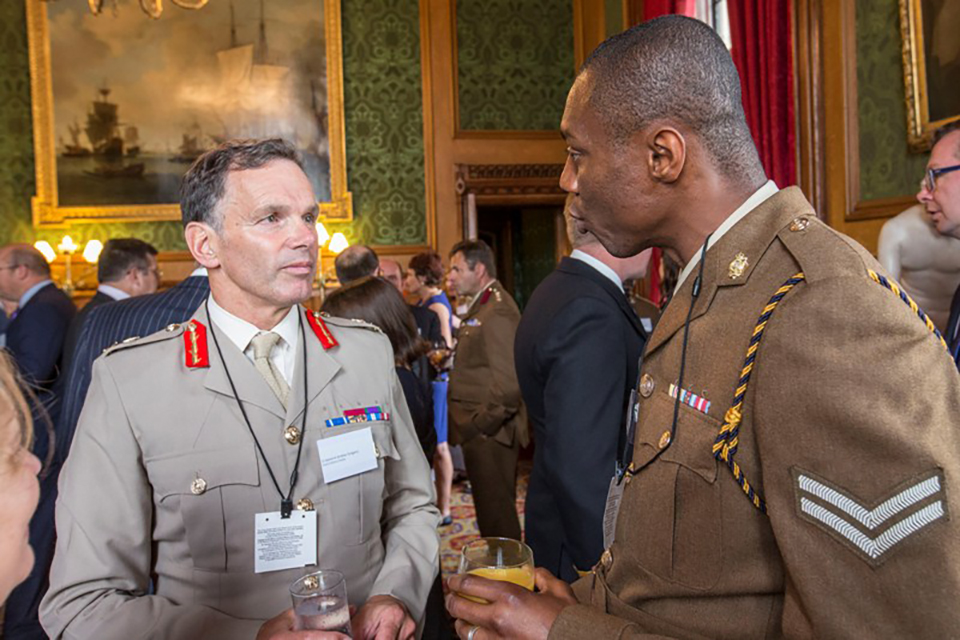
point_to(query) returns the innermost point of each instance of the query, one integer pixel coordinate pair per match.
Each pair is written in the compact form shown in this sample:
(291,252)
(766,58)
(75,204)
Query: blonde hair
(12,399)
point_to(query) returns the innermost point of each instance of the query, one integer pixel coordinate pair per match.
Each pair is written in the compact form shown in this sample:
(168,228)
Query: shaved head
(677,71)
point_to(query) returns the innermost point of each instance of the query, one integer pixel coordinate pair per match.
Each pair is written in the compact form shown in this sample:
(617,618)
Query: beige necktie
(263,344)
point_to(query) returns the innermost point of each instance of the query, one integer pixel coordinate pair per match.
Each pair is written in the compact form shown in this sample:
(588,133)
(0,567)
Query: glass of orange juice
(498,559)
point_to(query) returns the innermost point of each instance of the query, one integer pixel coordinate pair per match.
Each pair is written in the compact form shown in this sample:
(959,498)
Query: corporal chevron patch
(871,530)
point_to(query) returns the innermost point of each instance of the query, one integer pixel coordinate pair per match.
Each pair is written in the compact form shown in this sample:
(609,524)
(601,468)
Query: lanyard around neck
(286,502)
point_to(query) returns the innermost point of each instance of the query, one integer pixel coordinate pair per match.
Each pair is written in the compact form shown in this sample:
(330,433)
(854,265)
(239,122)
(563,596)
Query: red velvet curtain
(762,38)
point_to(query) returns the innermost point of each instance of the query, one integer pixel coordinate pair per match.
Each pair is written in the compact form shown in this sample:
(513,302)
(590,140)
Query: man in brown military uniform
(486,410)
(789,477)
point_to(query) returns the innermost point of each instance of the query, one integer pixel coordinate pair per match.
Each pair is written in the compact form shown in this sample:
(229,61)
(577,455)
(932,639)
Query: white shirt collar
(199,271)
(604,269)
(113,292)
(759,196)
(32,291)
(241,332)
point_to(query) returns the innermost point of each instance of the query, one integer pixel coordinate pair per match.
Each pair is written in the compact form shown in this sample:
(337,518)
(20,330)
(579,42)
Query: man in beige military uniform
(486,411)
(793,473)
(190,435)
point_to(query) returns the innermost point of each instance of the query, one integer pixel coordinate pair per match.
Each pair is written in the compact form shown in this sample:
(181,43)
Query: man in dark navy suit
(577,355)
(35,338)
(126,268)
(940,195)
(111,323)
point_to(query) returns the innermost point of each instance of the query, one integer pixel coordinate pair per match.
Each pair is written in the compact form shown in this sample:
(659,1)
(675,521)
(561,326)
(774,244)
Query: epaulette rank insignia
(195,345)
(320,329)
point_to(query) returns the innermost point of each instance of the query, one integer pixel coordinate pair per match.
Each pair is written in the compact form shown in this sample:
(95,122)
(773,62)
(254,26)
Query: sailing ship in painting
(251,95)
(105,145)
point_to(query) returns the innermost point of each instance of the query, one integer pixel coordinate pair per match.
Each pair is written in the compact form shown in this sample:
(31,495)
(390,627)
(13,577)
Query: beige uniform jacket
(129,511)
(484,395)
(849,433)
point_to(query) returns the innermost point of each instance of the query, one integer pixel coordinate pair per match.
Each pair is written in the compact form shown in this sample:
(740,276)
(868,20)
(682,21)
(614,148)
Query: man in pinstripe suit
(114,322)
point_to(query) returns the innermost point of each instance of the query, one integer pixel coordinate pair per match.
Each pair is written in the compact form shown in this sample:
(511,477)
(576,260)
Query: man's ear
(203,243)
(667,154)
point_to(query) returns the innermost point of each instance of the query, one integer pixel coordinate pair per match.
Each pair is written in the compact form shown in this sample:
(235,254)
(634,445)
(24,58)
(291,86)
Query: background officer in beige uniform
(190,435)
(793,472)
(486,411)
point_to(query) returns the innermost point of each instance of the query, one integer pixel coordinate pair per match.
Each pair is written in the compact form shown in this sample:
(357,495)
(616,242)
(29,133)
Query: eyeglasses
(930,180)
(12,266)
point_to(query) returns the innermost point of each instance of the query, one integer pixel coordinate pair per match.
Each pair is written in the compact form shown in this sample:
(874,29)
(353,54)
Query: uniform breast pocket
(356,502)
(683,503)
(213,492)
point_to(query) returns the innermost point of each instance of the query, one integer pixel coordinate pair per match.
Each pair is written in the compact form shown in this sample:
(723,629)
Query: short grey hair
(674,69)
(203,186)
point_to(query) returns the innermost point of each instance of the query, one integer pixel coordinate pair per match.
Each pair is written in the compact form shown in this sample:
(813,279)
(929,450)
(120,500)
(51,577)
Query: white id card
(612,510)
(347,455)
(285,543)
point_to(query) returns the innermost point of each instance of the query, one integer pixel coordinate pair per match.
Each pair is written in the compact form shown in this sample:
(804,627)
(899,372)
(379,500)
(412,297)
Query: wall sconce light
(44,247)
(335,244)
(91,252)
(67,247)
(338,243)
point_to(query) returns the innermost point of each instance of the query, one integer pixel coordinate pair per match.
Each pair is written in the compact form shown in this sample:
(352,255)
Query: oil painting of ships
(225,81)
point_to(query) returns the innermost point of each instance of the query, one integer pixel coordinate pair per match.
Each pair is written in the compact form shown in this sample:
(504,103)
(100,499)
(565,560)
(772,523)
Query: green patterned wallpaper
(514,63)
(887,168)
(384,127)
(16,143)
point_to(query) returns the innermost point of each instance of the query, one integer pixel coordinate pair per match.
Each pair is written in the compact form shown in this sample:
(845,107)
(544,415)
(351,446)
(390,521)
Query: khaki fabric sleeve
(101,567)
(856,404)
(410,518)
(586,621)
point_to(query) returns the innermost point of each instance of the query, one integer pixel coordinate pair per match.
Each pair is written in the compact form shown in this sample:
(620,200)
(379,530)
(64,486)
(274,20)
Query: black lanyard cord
(286,503)
(697,283)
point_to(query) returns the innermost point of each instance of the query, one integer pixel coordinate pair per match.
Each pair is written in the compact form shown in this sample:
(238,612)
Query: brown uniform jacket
(484,395)
(163,483)
(851,401)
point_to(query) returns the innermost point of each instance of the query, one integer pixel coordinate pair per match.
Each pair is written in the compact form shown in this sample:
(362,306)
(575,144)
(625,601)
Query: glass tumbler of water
(320,602)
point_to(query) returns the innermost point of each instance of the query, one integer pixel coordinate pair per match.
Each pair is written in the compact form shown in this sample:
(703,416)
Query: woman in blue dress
(424,275)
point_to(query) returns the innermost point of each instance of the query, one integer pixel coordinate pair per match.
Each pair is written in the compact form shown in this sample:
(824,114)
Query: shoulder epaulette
(350,323)
(170,331)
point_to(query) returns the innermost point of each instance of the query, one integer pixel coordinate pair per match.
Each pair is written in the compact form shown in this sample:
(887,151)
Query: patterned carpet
(464,527)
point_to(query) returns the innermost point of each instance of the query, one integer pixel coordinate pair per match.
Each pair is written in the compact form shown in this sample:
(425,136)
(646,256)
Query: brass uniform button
(606,559)
(305,504)
(198,486)
(292,435)
(647,385)
(664,440)
(799,224)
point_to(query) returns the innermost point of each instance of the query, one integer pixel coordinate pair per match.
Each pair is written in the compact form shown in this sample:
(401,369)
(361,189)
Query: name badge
(611,511)
(285,543)
(347,455)
(647,324)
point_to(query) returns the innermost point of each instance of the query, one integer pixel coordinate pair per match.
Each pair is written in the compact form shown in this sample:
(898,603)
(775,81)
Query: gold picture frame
(51,208)
(925,110)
